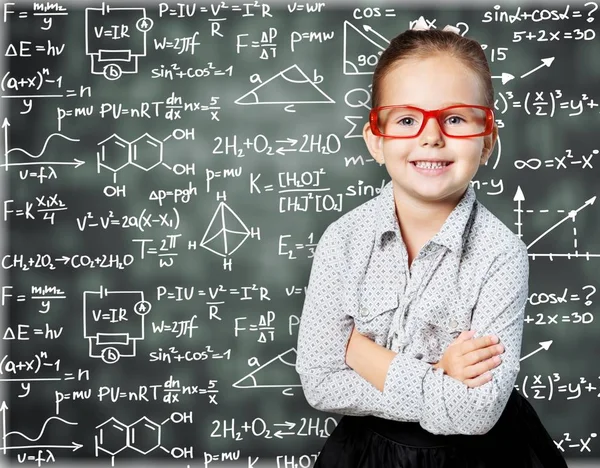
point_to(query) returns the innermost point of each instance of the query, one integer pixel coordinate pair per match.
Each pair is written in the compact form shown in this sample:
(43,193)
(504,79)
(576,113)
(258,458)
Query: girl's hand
(469,360)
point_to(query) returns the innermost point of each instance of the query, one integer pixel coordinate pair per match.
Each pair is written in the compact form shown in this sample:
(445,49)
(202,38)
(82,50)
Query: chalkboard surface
(168,171)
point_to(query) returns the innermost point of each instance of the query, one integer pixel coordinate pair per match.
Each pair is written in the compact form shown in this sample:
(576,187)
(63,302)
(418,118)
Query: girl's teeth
(428,165)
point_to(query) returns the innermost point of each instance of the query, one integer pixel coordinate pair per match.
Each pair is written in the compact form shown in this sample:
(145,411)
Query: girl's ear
(489,142)
(374,144)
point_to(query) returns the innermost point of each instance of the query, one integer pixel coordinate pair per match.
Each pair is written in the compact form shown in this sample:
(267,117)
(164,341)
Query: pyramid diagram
(225,233)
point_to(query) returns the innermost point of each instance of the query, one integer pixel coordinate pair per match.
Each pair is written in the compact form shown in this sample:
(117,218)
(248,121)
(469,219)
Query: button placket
(396,334)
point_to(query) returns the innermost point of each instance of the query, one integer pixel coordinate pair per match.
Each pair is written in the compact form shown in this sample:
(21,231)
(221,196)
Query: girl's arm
(413,390)
(450,406)
(370,360)
(499,310)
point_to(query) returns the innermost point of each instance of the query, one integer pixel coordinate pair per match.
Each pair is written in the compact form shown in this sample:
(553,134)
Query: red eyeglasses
(460,121)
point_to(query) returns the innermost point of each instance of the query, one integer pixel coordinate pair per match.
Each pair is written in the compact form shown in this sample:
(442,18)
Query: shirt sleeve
(329,384)
(450,406)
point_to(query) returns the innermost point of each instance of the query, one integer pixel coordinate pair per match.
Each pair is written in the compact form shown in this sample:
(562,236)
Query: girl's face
(431,83)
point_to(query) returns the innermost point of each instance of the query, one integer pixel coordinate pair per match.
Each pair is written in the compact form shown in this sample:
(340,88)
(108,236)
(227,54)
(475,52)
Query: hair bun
(422,25)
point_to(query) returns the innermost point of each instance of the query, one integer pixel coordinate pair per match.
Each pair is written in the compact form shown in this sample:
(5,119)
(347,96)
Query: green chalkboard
(168,171)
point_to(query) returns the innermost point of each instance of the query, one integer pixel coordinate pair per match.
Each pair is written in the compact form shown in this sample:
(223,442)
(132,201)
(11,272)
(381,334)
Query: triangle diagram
(361,53)
(290,86)
(278,372)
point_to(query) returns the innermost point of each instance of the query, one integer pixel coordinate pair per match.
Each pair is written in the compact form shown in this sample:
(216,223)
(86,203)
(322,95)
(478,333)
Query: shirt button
(453,323)
(364,311)
(419,356)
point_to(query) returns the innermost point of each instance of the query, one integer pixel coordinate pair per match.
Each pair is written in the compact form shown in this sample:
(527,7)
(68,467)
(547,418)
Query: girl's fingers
(478,381)
(482,342)
(464,336)
(482,354)
(481,367)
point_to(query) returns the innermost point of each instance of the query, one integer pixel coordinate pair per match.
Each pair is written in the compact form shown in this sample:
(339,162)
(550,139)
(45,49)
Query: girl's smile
(430,168)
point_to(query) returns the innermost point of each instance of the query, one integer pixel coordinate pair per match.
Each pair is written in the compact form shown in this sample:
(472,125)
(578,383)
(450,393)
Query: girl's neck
(420,216)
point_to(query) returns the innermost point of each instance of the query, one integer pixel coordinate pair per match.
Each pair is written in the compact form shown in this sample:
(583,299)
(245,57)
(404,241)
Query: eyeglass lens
(458,121)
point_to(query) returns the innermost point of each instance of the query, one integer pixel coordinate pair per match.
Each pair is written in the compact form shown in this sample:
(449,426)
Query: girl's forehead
(431,82)
(437,68)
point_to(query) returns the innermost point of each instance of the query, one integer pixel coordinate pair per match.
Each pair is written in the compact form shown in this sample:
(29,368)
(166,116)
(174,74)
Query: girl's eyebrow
(446,104)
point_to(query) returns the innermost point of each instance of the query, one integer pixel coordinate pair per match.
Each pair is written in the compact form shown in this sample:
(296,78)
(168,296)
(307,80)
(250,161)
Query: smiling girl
(413,317)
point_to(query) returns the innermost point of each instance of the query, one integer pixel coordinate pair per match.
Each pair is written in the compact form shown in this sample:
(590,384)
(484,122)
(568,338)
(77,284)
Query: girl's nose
(432,133)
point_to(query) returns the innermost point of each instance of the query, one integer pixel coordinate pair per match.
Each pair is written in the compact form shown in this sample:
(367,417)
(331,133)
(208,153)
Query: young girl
(413,317)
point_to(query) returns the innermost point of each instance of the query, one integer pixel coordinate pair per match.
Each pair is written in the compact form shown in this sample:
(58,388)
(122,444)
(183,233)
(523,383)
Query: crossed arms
(377,381)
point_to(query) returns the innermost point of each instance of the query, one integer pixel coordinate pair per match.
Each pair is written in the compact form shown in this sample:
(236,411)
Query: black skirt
(518,440)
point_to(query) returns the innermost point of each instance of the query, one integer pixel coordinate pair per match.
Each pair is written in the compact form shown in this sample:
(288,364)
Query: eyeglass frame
(489,121)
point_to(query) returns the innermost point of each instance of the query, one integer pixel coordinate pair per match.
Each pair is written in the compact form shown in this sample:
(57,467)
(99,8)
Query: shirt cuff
(444,396)
(404,386)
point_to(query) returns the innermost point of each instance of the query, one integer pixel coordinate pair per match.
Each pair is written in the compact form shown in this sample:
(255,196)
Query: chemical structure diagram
(145,152)
(142,436)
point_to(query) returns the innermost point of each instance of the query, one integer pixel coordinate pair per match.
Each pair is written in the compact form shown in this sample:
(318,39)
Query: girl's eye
(403,120)
(457,119)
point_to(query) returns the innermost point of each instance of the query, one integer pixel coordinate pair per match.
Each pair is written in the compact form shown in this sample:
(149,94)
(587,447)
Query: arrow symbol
(519,197)
(5,126)
(75,162)
(3,408)
(543,345)
(545,63)
(368,28)
(506,77)
(74,445)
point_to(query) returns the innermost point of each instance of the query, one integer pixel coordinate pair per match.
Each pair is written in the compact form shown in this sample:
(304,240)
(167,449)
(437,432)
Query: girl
(413,316)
